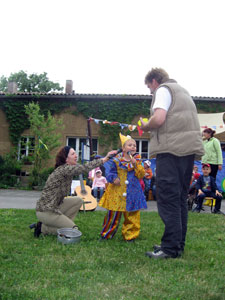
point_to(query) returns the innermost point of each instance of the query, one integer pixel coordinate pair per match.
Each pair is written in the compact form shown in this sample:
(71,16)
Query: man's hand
(144,125)
(220,167)
(155,121)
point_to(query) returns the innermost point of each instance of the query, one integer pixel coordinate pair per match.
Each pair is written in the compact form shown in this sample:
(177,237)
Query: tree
(47,137)
(29,83)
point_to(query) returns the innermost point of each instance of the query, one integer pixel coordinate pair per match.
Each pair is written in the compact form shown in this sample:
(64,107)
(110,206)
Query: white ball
(126,181)
(124,194)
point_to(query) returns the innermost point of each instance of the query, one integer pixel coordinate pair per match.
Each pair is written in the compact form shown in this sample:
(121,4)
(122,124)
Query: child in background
(194,178)
(91,174)
(153,185)
(147,178)
(142,184)
(195,172)
(123,194)
(206,187)
(99,183)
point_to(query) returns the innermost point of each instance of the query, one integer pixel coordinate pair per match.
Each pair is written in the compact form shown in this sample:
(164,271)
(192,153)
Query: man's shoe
(158,255)
(157,247)
(219,212)
(197,210)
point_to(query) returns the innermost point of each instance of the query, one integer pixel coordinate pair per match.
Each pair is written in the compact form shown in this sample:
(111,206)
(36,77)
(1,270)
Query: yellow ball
(144,119)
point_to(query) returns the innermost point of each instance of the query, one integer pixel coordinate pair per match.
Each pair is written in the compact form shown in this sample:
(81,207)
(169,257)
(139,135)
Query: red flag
(140,132)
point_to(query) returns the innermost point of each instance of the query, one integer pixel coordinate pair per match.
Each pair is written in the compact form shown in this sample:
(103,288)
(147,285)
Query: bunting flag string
(213,126)
(131,127)
(122,125)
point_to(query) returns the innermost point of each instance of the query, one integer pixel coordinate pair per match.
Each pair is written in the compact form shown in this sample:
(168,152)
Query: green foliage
(46,134)
(38,179)
(30,83)
(9,168)
(113,269)
(210,107)
(16,116)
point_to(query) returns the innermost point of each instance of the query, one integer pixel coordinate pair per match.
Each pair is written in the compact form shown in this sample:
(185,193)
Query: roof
(75,96)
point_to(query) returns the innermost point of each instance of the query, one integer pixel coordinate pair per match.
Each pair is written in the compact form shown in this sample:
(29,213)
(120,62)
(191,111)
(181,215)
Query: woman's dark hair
(209,131)
(62,156)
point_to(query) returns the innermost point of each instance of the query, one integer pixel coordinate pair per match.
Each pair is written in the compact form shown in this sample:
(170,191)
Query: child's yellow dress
(127,198)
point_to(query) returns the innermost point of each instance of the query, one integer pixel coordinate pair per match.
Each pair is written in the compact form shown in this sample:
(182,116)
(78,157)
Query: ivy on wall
(16,116)
(122,111)
(210,107)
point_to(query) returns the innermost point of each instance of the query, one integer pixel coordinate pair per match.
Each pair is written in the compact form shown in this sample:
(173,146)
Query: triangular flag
(140,132)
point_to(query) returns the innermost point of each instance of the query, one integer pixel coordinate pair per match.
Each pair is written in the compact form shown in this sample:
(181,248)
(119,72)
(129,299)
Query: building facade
(75,110)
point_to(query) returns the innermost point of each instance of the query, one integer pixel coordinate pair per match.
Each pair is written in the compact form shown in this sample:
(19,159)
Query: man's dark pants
(172,184)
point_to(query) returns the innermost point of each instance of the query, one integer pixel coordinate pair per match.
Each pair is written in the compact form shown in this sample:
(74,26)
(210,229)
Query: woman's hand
(106,158)
(220,167)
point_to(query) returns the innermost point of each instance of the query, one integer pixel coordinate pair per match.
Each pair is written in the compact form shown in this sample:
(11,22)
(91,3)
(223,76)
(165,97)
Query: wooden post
(90,138)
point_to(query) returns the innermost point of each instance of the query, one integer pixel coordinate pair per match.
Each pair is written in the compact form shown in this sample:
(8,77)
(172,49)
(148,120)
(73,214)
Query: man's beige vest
(180,133)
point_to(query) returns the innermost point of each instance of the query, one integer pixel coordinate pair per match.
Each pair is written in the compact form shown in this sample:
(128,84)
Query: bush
(10,167)
(39,179)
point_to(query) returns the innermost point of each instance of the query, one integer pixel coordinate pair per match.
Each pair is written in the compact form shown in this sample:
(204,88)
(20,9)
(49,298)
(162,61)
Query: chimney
(12,87)
(69,87)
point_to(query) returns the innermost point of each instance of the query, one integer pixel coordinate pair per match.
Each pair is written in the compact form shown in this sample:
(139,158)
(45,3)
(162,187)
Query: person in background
(175,141)
(147,178)
(195,172)
(123,194)
(206,187)
(213,152)
(194,178)
(153,185)
(91,176)
(53,209)
(99,184)
(142,184)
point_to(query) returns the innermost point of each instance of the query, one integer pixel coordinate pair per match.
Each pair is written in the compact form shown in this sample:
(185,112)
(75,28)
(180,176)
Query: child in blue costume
(123,194)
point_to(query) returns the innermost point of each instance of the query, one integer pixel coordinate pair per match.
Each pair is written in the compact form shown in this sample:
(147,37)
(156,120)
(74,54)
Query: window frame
(140,147)
(86,155)
(29,150)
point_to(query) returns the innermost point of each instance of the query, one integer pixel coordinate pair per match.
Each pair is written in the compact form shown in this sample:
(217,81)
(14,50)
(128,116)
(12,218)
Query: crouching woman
(53,209)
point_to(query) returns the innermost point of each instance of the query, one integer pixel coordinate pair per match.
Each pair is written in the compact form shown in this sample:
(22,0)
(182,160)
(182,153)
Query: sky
(107,47)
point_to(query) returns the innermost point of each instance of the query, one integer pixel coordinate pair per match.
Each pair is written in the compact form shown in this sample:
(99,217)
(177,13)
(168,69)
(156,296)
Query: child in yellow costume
(123,194)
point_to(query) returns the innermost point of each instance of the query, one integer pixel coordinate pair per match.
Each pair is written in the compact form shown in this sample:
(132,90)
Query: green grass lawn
(44,269)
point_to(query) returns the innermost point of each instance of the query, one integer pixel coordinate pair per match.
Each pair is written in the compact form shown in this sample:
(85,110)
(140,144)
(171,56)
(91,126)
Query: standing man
(175,141)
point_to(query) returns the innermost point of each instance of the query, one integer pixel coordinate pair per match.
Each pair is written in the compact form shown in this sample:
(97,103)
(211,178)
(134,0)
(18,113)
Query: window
(81,146)
(143,148)
(25,146)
